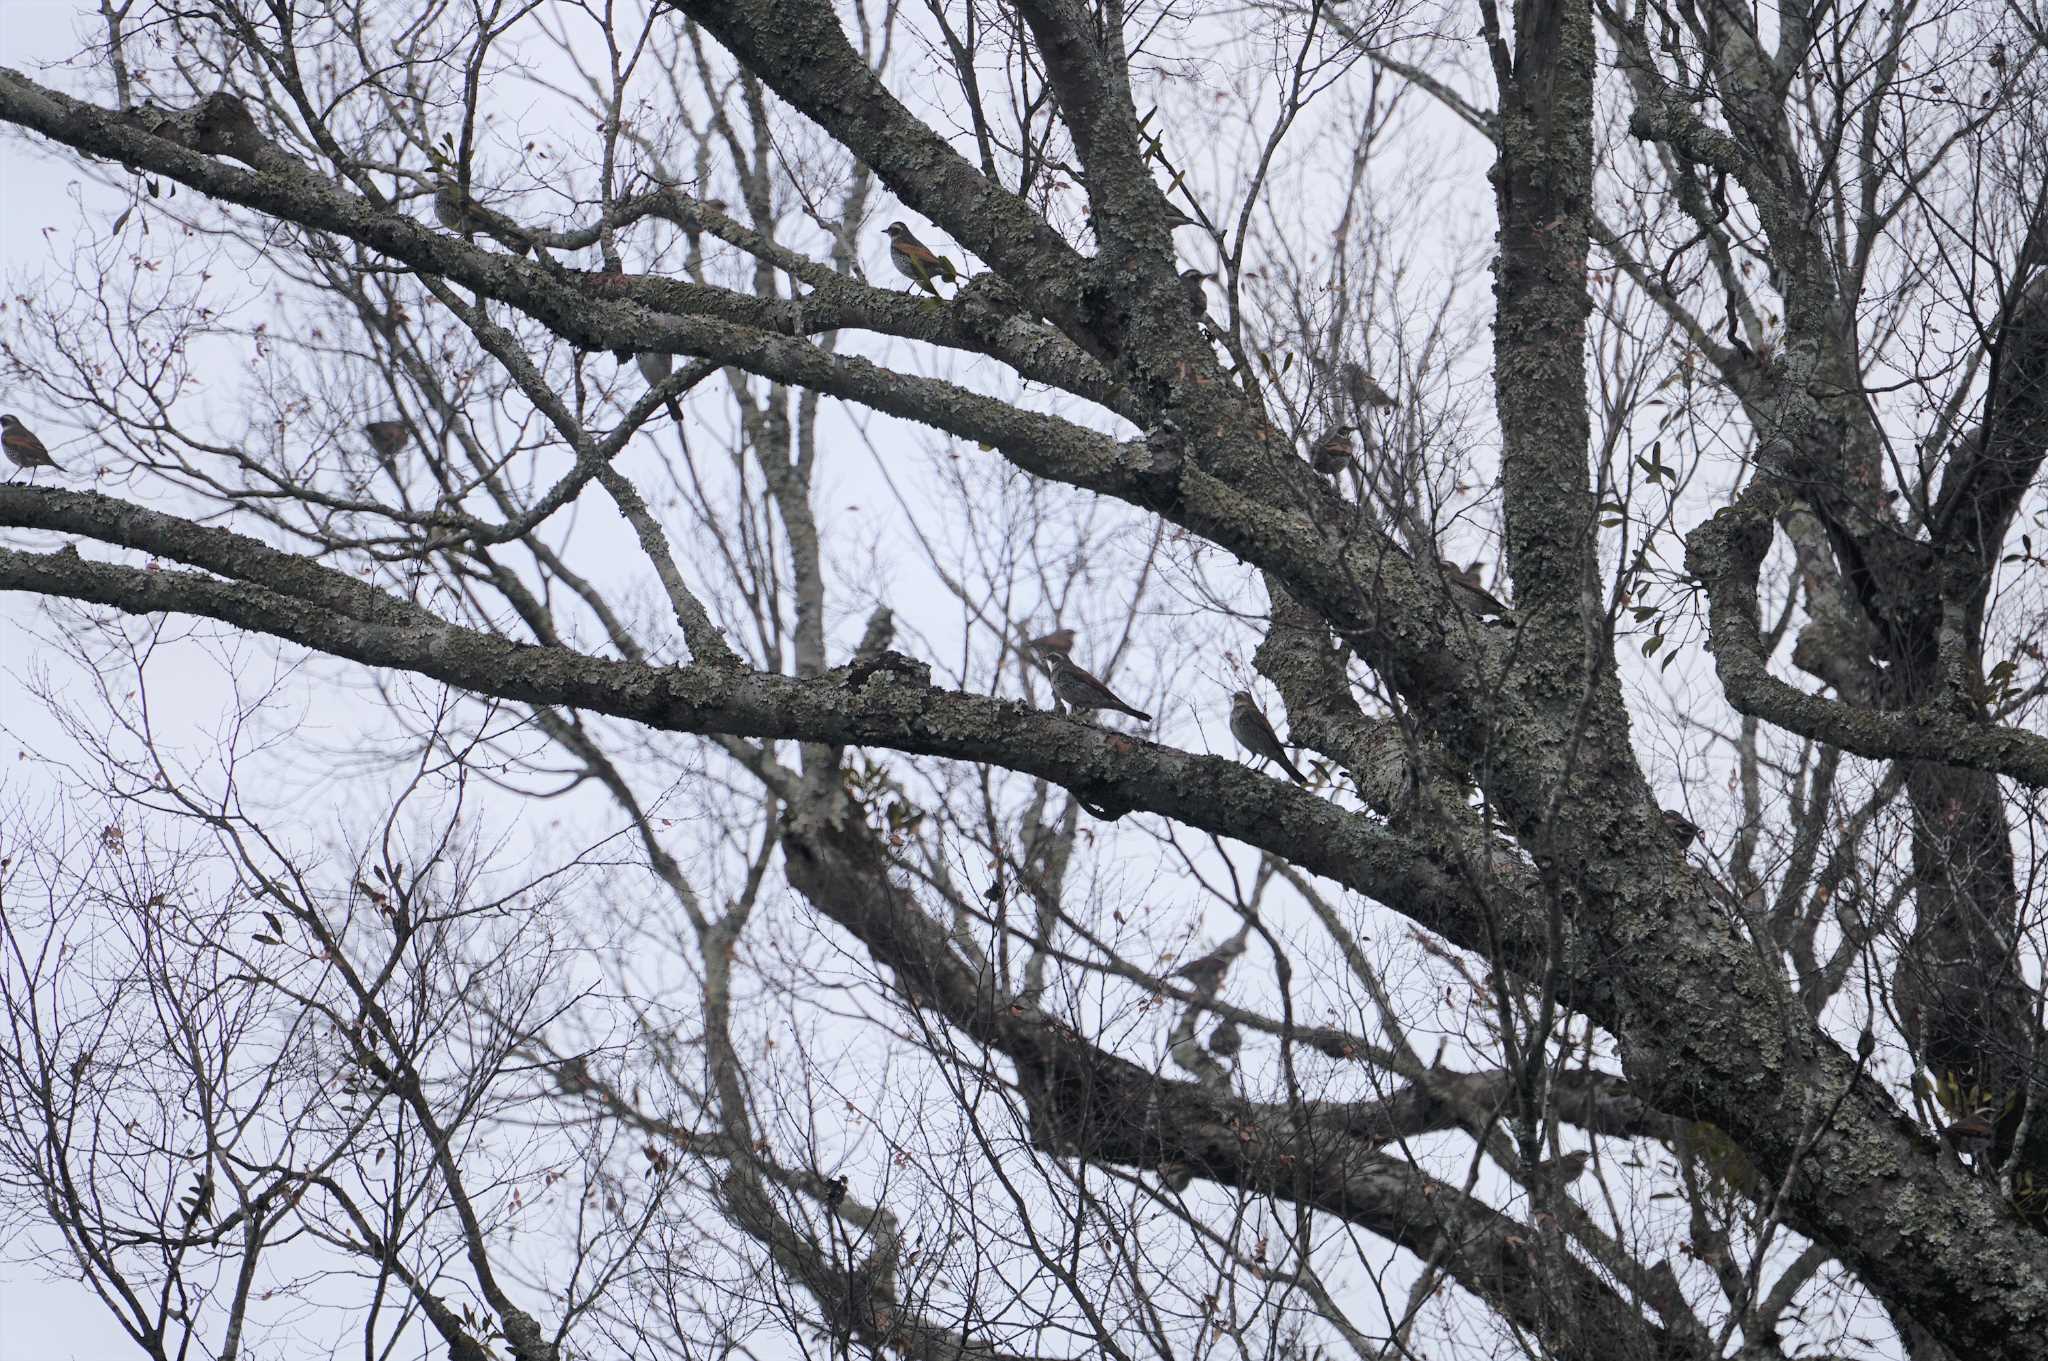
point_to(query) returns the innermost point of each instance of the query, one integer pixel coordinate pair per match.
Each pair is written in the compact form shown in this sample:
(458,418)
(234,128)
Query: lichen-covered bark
(1919,591)
(1603,916)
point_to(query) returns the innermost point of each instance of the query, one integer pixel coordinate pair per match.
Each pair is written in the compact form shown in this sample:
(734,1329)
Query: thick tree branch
(1086,1102)
(313,606)
(799,50)
(625,313)
(1726,554)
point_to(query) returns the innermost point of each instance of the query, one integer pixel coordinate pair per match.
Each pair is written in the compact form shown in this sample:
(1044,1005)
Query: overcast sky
(47,200)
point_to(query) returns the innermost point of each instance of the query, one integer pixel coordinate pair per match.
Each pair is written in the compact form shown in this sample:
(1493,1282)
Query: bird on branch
(1082,692)
(1468,589)
(458,212)
(24,450)
(1205,974)
(655,366)
(1363,389)
(1333,453)
(1255,734)
(918,262)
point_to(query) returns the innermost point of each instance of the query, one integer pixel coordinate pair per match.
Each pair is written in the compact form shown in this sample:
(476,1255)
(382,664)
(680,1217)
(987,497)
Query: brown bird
(1362,390)
(1175,220)
(1226,1040)
(24,450)
(1191,288)
(1332,454)
(1174,1175)
(458,212)
(1973,1133)
(1256,735)
(1683,829)
(387,437)
(1059,640)
(450,208)
(1468,588)
(1205,974)
(1561,1172)
(655,366)
(1080,691)
(918,262)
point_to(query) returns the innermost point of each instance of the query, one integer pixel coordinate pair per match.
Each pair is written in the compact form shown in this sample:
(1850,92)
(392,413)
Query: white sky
(40,1321)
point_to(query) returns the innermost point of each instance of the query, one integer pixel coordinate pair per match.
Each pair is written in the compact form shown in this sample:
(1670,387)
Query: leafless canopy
(546,827)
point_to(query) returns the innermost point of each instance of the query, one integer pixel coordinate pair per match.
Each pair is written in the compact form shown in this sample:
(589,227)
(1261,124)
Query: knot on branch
(1729,548)
(1157,464)
(1672,124)
(986,304)
(885,663)
(219,125)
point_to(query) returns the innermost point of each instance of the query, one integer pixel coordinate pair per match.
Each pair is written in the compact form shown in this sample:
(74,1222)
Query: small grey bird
(1191,288)
(24,450)
(1226,1039)
(1683,829)
(1332,454)
(1468,589)
(1362,390)
(386,438)
(918,262)
(1080,691)
(655,366)
(449,209)
(1256,735)
(1175,1175)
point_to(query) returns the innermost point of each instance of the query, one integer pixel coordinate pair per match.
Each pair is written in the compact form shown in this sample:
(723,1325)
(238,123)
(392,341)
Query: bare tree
(738,922)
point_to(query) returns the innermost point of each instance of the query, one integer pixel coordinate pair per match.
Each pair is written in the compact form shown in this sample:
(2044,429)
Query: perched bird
(1561,1172)
(1683,829)
(1175,220)
(1205,974)
(655,366)
(1191,288)
(1973,1133)
(1332,453)
(387,438)
(1059,640)
(458,212)
(918,262)
(1226,1039)
(1362,390)
(451,209)
(24,450)
(1174,1175)
(1080,691)
(1468,588)
(1256,735)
